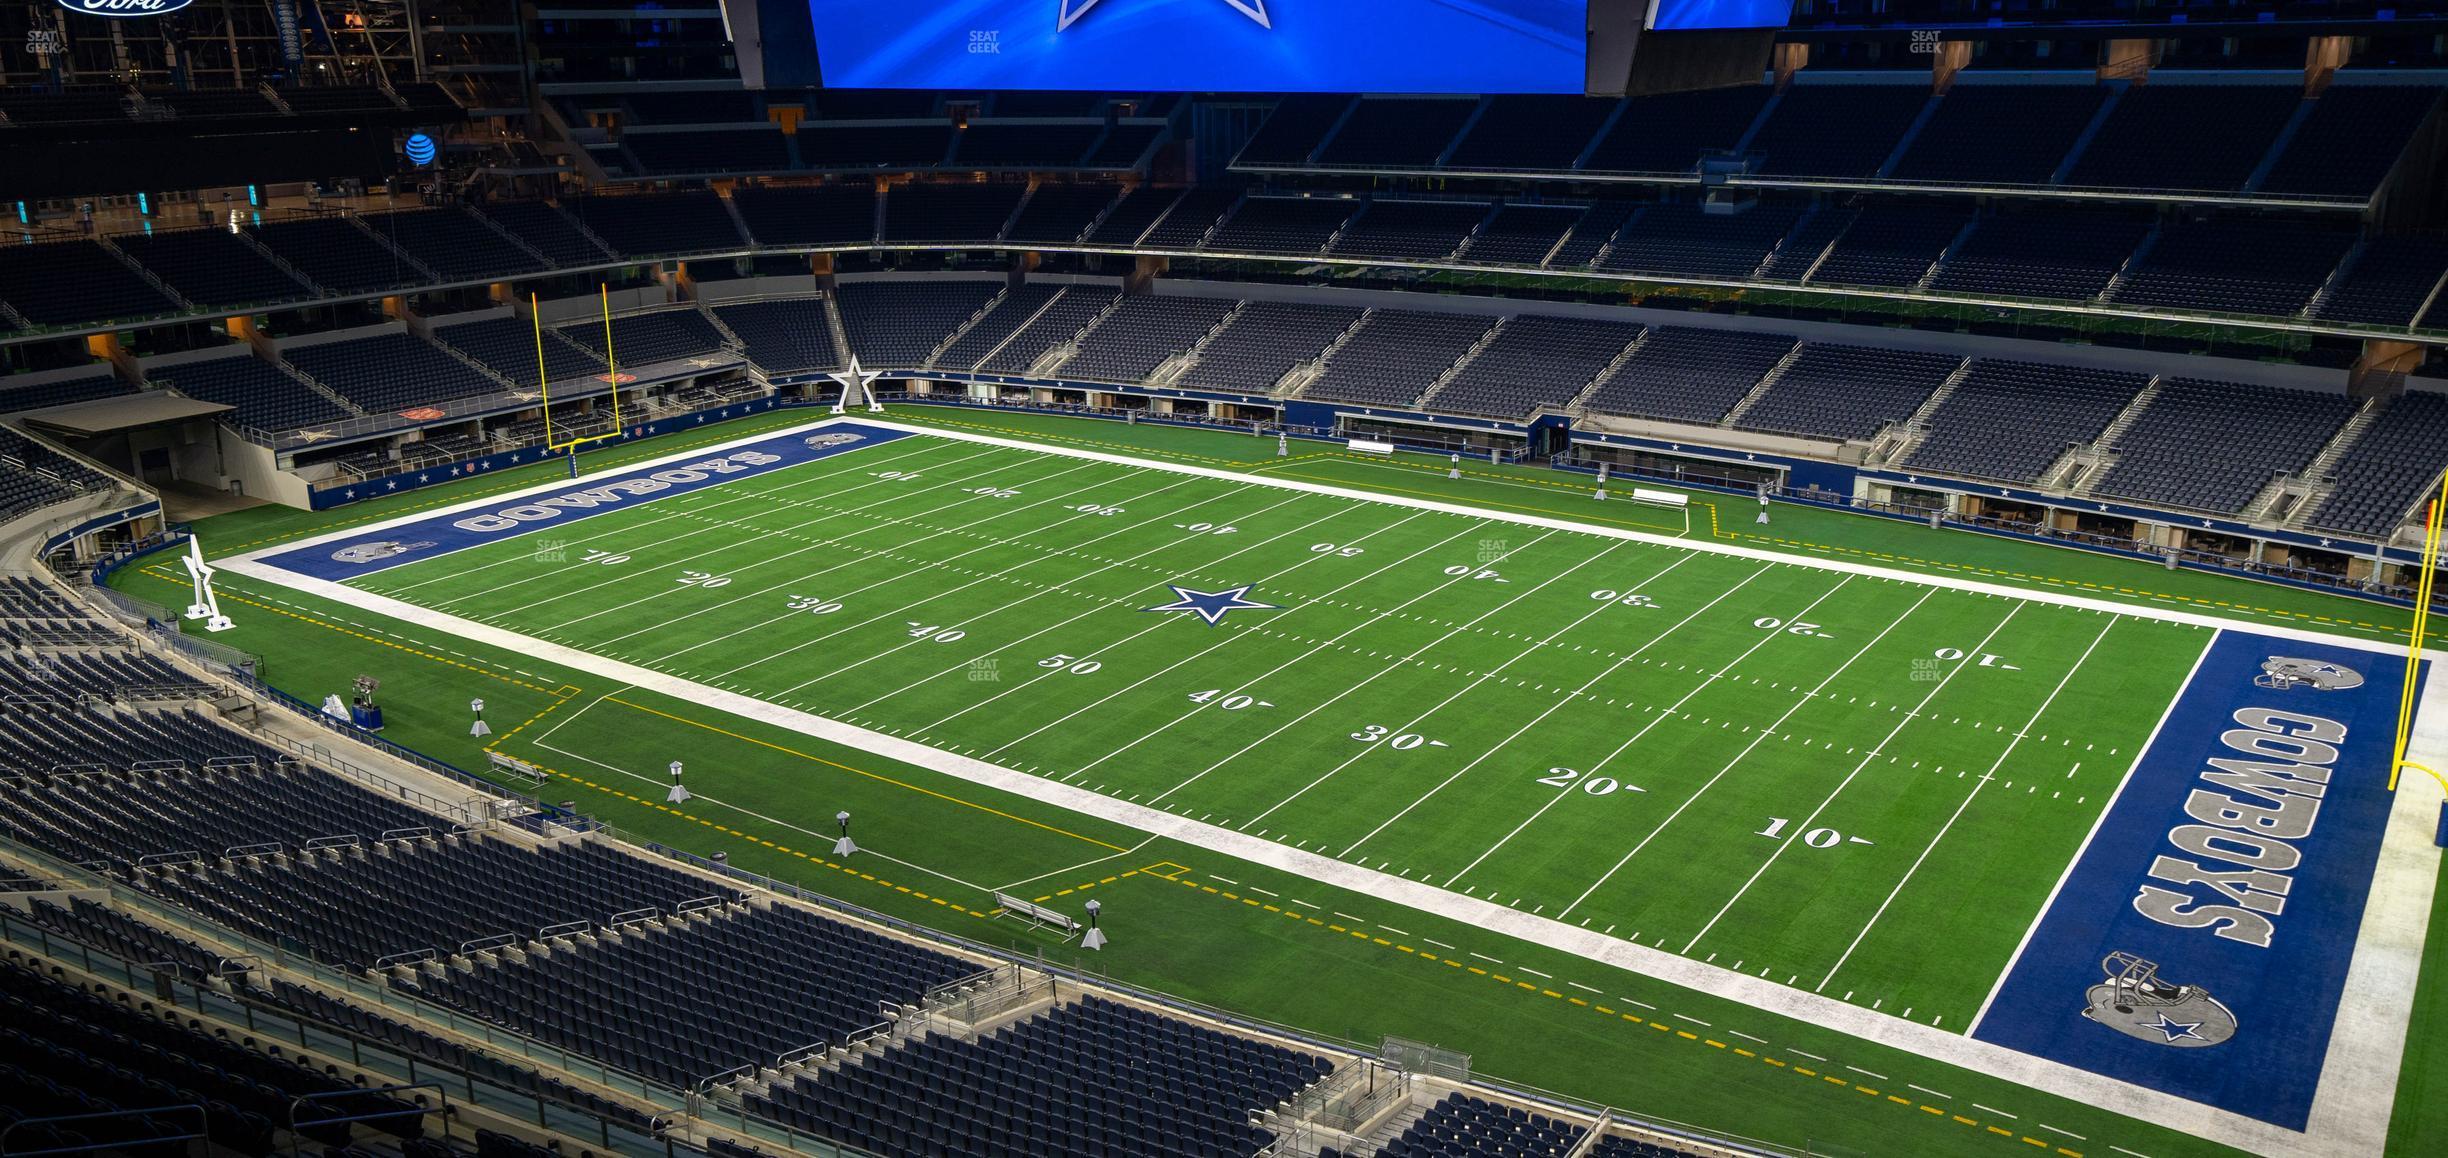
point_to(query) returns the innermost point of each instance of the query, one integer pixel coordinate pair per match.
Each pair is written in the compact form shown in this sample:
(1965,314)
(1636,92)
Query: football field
(1847,783)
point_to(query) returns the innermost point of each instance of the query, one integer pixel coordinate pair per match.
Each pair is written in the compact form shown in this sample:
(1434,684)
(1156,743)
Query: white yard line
(1460,694)
(1550,710)
(1977,784)
(1805,824)
(889,552)
(1756,740)
(1103,603)
(1322,645)
(1316,708)
(2349,1116)
(936,534)
(1759,554)
(2106,807)
(1654,719)
(1355,758)
(850,463)
(1143,681)
(1068,869)
(902,575)
(616,575)
(1101,649)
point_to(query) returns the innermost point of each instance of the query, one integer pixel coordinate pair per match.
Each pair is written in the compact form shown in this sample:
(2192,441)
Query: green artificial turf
(1680,719)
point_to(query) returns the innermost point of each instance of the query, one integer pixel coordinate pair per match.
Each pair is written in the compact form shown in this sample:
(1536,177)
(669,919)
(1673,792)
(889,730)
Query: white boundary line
(2350,1111)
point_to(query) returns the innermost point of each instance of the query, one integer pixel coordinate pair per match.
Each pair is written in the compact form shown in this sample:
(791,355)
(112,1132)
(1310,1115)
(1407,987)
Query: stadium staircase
(983,312)
(247,238)
(1598,259)
(1445,155)
(833,322)
(1904,143)
(1578,406)
(1106,211)
(1051,362)
(2082,140)
(150,278)
(1761,388)
(1427,401)
(1299,377)
(2084,466)
(2278,145)
(9,314)
(2338,276)
(2132,265)
(1953,246)
(1213,227)
(2319,478)
(592,237)
(1898,440)
(731,206)
(1802,228)
(329,394)
(1171,370)
(410,259)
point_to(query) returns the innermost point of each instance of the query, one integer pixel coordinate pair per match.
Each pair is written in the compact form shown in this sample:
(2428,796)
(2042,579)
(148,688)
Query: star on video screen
(1383,46)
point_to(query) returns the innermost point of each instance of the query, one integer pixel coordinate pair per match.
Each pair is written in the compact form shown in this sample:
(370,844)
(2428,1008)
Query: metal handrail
(202,1133)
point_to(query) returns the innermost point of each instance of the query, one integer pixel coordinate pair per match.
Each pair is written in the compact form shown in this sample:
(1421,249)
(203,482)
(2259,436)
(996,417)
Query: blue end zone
(351,556)
(2236,859)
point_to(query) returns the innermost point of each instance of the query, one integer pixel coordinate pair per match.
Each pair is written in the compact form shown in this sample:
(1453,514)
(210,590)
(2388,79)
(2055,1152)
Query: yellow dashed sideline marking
(1677,1034)
(863,772)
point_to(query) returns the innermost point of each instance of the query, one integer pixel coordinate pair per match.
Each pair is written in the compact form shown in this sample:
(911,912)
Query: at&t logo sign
(124,9)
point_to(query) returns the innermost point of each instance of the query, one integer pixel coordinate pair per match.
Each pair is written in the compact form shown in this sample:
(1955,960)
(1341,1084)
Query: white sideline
(2350,1111)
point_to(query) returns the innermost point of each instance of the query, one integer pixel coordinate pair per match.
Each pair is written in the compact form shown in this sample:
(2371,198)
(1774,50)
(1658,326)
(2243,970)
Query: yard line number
(1594,785)
(1233,703)
(1822,837)
(1399,741)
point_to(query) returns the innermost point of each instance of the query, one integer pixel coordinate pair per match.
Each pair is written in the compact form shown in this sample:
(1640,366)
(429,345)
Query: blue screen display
(1384,46)
(1687,15)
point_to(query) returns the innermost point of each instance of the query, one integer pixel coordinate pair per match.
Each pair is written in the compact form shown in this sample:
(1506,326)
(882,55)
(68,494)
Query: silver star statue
(856,383)
(1072,10)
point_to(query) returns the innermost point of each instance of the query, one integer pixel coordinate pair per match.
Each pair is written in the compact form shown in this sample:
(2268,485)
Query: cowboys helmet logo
(2134,1002)
(828,441)
(376,552)
(2286,674)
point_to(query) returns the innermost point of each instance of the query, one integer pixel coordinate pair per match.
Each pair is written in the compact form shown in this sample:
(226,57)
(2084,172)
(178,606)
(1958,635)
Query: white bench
(1372,446)
(1660,498)
(1036,912)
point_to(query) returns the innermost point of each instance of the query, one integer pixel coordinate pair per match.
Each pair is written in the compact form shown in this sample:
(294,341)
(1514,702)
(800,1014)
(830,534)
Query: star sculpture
(1211,605)
(856,382)
(1072,10)
(2176,1030)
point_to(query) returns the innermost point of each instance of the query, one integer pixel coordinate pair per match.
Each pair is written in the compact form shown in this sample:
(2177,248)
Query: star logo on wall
(1072,10)
(1212,605)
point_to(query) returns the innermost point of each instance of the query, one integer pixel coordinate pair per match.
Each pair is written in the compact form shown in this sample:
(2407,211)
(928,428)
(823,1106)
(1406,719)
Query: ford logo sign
(420,149)
(124,9)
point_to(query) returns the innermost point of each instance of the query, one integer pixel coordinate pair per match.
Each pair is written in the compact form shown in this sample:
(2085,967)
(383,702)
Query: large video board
(1694,15)
(1385,46)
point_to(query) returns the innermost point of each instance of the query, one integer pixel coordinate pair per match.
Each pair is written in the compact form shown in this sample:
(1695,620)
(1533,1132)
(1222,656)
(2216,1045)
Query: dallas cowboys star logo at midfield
(1072,10)
(1211,605)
